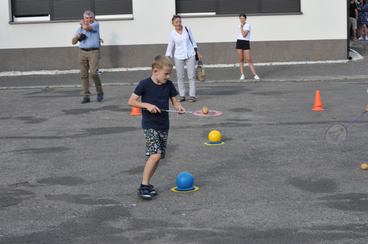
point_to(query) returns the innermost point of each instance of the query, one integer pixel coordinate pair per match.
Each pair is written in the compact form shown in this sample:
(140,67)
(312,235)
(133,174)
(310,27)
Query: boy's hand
(153,109)
(180,109)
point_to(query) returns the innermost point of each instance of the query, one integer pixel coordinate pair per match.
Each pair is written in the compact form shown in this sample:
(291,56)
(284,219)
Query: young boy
(155,93)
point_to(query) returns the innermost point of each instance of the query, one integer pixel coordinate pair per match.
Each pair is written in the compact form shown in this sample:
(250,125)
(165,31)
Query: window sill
(213,14)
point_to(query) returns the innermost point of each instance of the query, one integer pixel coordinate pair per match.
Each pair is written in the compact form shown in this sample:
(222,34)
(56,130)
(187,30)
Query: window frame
(13,19)
(215,14)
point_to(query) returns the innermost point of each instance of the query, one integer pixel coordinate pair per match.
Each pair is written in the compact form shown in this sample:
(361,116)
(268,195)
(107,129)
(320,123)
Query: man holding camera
(88,36)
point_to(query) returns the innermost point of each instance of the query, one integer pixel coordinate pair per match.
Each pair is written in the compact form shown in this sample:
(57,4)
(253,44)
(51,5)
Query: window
(68,9)
(236,6)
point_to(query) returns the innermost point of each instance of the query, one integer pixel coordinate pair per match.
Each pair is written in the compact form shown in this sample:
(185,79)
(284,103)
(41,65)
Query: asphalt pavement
(69,172)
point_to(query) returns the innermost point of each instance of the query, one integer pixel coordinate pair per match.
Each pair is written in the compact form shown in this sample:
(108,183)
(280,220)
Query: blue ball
(184,181)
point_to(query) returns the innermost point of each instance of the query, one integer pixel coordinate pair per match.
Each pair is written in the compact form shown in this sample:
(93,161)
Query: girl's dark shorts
(242,44)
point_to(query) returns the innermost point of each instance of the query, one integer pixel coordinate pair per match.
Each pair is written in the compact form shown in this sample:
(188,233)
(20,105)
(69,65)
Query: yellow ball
(214,136)
(364,166)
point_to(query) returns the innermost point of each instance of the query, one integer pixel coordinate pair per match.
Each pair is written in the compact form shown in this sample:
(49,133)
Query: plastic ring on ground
(196,188)
(210,113)
(214,143)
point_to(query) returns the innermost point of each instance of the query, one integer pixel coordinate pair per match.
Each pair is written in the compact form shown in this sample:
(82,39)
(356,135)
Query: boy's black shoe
(85,100)
(145,192)
(153,190)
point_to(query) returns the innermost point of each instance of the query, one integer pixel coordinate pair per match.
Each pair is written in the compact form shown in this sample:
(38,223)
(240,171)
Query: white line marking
(75,71)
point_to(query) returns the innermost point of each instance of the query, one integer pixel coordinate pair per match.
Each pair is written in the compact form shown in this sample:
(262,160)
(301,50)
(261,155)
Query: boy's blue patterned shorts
(156,141)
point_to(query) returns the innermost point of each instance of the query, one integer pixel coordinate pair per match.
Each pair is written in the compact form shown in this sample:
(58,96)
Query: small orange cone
(135,111)
(318,107)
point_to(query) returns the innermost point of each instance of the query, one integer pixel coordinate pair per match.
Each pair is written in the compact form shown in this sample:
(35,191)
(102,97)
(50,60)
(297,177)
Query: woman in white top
(243,47)
(181,38)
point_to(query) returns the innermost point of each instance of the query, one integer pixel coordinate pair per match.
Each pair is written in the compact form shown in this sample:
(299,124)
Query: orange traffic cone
(318,107)
(135,111)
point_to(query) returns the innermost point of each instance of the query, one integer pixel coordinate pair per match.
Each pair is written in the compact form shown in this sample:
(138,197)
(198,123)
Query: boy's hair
(161,61)
(242,15)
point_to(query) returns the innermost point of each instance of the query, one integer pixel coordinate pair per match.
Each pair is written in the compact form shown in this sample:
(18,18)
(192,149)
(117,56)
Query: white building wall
(320,20)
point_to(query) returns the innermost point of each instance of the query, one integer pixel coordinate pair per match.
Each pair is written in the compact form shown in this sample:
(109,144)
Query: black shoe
(181,98)
(192,99)
(85,100)
(152,190)
(100,97)
(145,192)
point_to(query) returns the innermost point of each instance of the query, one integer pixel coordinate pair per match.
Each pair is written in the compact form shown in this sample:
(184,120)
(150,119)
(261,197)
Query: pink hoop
(211,113)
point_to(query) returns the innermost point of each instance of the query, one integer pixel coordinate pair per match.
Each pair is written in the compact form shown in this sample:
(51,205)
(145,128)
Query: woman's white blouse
(184,49)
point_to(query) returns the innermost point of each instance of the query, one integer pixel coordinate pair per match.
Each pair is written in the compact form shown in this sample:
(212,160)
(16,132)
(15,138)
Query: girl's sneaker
(242,77)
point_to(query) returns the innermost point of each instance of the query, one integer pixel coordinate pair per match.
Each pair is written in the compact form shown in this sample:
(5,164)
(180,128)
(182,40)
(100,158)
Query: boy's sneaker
(242,77)
(153,190)
(256,77)
(145,192)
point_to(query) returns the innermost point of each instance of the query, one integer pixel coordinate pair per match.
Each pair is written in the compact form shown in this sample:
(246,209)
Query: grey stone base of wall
(66,58)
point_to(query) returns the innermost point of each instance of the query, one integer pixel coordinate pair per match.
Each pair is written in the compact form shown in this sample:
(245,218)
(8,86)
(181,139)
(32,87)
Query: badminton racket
(211,113)
(337,133)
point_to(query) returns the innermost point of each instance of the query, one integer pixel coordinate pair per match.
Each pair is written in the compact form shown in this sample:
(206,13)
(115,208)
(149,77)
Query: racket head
(336,134)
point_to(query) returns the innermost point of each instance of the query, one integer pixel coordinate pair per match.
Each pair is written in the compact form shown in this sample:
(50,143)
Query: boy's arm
(177,105)
(134,102)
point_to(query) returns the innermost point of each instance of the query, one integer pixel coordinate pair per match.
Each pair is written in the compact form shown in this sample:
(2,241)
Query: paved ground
(69,172)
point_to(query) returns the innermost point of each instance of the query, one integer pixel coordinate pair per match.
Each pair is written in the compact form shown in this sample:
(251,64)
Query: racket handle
(174,111)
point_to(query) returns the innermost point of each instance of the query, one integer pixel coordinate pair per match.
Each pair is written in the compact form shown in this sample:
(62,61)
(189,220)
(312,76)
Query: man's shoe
(181,98)
(85,100)
(100,97)
(145,192)
(192,99)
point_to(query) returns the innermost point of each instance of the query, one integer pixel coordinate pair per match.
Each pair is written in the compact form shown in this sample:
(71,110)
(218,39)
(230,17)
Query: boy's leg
(156,141)
(150,168)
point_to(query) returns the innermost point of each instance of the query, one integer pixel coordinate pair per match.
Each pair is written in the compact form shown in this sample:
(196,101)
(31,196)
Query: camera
(82,37)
